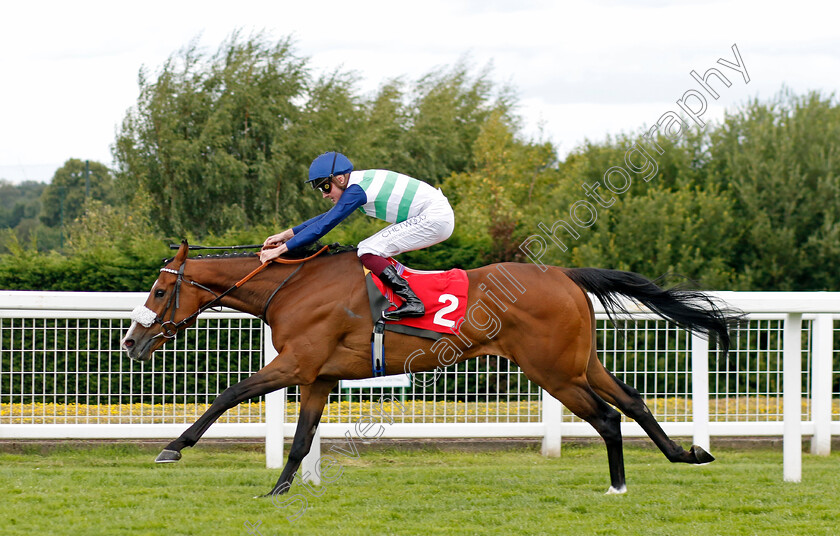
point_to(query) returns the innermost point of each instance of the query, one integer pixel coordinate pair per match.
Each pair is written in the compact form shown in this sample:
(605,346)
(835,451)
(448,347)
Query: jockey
(420,216)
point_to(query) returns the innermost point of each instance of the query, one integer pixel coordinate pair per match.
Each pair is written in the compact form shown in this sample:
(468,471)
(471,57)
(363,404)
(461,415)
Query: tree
(210,140)
(19,201)
(446,114)
(381,133)
(688,232)
(495,201)
(781,161)
(225,141)
(64,199)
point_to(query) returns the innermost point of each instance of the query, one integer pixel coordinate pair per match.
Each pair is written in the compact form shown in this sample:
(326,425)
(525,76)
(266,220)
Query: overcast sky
(582,69)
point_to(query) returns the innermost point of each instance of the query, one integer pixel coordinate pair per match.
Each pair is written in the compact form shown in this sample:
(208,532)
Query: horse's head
(170,307)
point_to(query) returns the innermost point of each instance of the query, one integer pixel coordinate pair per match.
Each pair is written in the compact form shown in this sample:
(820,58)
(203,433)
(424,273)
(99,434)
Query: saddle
(443,293)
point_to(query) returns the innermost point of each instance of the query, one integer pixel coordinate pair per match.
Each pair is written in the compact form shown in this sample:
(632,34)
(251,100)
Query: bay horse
(539,317)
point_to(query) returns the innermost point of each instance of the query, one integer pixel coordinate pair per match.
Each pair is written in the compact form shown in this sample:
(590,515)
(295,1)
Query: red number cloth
(444,294)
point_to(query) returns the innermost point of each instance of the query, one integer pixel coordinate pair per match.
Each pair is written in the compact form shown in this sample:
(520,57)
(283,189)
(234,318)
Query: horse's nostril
(128,343)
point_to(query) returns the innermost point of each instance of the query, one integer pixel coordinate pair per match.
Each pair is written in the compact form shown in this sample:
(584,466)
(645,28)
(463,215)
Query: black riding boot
(412,307)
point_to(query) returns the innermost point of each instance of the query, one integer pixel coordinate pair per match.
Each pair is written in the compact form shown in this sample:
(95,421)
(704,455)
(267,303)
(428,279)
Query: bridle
(170,328)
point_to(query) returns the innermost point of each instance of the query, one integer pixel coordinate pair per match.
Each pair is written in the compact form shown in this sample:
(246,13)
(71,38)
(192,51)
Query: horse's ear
(182,252)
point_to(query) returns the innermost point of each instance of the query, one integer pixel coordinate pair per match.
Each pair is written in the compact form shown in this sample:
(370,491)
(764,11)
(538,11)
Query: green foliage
(20,205)
(26,269)
(450,110)
(209,139)
(225,141)
(19,202)
(110,248)
(73,183)
(781,159)
(495,201)
(750,204)
(646,234)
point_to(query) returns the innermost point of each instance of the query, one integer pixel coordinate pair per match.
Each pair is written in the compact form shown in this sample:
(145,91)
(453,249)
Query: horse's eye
(159,293)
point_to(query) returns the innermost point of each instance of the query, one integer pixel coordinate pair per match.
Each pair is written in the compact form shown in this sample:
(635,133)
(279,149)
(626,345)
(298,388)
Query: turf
(116,489)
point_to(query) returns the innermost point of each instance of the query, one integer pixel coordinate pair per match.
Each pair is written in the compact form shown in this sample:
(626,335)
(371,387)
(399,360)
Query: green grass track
(116,489)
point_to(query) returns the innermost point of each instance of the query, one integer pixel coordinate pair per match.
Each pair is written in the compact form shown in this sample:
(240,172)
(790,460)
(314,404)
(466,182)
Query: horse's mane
(306,251)
(297,253)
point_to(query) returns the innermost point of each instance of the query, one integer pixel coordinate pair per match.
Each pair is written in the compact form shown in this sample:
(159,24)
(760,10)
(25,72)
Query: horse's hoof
(168,456)
(276,492)
(620,491)
(701,455)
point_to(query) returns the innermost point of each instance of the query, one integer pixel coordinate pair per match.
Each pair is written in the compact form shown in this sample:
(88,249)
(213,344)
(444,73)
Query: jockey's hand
(279,238)
(272,253)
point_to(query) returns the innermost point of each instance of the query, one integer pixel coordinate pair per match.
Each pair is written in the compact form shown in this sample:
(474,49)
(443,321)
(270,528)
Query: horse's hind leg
(629,401)
(579,397)
(557,361)
(313,398)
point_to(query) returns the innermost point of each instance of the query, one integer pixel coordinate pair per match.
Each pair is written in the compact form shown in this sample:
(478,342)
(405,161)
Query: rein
(170,328)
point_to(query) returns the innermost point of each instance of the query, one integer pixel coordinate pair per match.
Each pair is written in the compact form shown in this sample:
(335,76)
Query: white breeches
(432,226)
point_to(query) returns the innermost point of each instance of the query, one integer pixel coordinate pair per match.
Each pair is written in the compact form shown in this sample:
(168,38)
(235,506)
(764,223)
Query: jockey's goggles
(325,186)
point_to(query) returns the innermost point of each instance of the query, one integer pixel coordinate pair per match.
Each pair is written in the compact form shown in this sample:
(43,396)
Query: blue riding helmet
(327,166)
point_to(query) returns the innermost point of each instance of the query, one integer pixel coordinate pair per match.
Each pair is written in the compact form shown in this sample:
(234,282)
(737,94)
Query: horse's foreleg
(262,382)
(629,401)
(313,398)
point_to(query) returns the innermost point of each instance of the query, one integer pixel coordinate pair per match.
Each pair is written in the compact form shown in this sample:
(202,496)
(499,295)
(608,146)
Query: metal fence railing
(62,374)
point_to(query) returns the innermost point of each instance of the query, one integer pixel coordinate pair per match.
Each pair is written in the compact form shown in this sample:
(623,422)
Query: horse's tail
(689,309)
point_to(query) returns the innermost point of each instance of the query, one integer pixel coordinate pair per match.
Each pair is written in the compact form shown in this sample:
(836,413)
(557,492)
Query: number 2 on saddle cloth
(443,293)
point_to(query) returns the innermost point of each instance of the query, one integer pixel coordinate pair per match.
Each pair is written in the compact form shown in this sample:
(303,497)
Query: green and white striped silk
(392,196)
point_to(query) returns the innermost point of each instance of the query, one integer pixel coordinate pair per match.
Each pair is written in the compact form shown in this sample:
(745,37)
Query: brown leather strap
(252,274)
(281,261)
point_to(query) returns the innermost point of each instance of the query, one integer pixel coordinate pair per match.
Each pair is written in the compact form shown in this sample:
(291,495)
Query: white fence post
(700,388)
(275,411)
(552,414)
(792,398)
(308,472)
(822,349)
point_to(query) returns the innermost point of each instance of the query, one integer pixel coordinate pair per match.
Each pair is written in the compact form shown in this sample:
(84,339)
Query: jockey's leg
(412,307)
(381,268)
(432,226)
